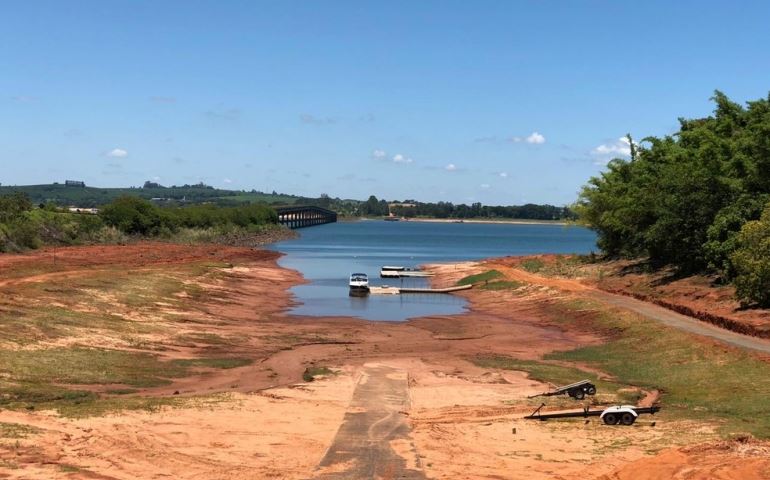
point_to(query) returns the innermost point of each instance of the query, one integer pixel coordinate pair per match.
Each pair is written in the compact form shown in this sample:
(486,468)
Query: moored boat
(400,272)
(359,285)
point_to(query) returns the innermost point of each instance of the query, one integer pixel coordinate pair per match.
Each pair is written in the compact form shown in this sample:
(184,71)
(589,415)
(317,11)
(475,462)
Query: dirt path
(682,322)
(373,440)
(649,310)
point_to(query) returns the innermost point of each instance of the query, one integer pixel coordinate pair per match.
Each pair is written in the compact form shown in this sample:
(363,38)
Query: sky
(499,102)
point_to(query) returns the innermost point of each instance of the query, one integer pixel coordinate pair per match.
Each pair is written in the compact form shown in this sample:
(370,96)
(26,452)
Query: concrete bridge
(304,216)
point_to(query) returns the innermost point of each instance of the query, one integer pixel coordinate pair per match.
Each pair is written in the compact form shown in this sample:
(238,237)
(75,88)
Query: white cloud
(536,138)
(398,158)
(451,167)
(117,153)
(379,154)
(607,151)
(227,180)
(503,174)
(484,186)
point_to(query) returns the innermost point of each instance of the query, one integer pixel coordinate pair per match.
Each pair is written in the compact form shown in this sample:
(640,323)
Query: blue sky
(500,102)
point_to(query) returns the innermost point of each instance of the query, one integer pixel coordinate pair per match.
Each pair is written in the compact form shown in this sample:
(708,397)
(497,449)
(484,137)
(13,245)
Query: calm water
(326,255)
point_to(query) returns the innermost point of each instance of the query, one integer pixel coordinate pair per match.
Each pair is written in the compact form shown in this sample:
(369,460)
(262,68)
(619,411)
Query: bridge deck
(299,216)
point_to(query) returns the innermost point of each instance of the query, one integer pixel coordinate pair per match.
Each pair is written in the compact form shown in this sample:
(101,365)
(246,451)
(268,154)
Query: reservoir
(326,255)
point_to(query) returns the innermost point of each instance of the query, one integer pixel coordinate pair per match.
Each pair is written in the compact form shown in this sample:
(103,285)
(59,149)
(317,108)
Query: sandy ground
(441,416)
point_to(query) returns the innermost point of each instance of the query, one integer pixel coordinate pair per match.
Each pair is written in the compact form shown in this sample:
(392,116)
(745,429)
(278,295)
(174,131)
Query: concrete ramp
(373,441)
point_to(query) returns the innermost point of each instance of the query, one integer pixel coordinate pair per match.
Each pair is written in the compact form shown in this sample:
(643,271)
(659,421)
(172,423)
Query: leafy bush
(532,265)
(134,215)
(752,261)
(18,231)
(681,199)
(722,235)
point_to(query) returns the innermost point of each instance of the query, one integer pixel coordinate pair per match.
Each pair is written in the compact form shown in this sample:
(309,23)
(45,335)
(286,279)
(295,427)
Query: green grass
(121,391)
(39,311)
(81,365)
(102,406)
(38,379)
(480,277)
(289,341)
(698,380)
(26,325)
(17,430)
(207,339)
(503,285)
(311,372)
(30,396)
(67,468)
(104,304)
(222,363)
(532,265)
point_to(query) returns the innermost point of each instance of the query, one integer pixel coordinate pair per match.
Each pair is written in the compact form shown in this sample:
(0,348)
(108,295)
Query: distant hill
(66,195)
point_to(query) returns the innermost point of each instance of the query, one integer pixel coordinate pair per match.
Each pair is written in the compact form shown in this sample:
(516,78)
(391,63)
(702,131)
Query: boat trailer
(577,390)
(623,414)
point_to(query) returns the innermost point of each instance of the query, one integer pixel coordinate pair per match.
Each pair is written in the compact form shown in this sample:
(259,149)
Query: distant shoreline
(511,221)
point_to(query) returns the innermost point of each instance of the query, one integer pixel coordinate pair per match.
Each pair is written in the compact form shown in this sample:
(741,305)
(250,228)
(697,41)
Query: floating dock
(387,290)
(404,274)
(389,271)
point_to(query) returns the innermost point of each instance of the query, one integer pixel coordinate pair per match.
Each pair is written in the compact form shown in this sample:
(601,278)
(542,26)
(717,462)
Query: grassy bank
(698,380)
(24,225)
(86,345)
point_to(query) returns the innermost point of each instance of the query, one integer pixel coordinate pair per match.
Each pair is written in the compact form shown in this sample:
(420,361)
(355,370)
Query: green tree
(680,200)
(134,215)
(751,261)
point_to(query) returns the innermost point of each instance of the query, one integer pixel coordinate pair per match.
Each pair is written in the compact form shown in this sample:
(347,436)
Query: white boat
(359,285)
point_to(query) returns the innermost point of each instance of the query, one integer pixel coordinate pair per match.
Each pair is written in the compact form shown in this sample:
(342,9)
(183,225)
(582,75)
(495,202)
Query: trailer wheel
(611,419)
(627,419)
(579,394)
(591,390)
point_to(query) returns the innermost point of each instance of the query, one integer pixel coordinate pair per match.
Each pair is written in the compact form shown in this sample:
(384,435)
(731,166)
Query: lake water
(327,254)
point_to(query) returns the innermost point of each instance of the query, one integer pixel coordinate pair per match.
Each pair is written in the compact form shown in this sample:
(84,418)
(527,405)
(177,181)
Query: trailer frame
(624,414)
(577,390)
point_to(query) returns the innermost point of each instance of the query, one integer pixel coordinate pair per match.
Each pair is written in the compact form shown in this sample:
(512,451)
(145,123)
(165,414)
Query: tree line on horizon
(177,195)
(24,225)
(412,208)
(698,200)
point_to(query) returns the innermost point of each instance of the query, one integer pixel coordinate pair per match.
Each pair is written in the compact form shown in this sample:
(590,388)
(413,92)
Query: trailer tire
(627,419)
(591,390)
(610,419)
(579,394)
